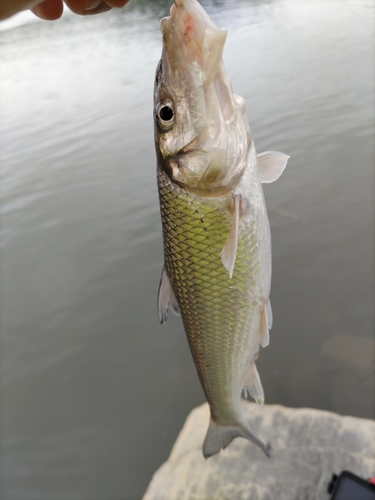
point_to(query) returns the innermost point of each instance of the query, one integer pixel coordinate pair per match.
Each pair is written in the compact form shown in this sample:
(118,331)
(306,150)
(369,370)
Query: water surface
(93,389)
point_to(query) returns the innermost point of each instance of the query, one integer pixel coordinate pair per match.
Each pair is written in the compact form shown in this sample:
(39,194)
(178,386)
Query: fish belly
(220,314)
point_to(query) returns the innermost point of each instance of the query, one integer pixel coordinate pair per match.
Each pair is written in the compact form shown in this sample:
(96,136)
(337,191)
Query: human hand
(53,9)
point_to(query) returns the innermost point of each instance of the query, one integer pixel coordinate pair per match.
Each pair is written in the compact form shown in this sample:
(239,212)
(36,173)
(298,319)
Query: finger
(117,3)
(49,10)
(98,9)
(93,6)
(8,9)
(80,6)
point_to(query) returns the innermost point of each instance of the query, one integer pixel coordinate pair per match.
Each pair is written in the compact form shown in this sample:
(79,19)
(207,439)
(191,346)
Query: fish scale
(216,322)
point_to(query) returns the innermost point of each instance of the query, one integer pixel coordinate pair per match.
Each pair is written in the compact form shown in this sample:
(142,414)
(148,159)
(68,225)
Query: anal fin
(229,253)
(252,385)
(166,298)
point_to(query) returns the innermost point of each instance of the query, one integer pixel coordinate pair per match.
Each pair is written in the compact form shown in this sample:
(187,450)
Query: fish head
(202,134)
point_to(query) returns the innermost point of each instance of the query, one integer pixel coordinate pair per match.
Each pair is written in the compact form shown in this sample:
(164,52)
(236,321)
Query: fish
(216,233)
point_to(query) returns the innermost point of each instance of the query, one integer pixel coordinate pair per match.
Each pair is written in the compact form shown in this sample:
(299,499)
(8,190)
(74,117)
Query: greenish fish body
(217,245)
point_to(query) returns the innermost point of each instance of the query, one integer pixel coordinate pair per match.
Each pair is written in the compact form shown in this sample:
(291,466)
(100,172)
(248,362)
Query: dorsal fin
(166,298)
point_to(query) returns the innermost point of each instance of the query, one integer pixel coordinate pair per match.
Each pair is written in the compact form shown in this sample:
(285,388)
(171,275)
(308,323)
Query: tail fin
(219,437)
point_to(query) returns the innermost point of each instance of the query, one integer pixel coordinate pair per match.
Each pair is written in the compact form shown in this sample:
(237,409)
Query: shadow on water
(93,389)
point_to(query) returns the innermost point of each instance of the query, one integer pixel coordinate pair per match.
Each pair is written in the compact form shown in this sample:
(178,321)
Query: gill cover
(202,134)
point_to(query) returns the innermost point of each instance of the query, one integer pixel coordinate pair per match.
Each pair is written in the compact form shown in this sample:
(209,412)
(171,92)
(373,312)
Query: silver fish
(217,244)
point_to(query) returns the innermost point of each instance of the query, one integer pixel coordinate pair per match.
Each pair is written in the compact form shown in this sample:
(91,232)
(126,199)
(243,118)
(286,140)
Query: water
(93,389)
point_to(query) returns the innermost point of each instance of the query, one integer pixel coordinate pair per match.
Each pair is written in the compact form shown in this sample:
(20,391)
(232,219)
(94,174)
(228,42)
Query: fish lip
(188,148)
(173,167)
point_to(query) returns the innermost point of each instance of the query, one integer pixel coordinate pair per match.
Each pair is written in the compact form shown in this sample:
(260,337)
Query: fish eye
(164,114)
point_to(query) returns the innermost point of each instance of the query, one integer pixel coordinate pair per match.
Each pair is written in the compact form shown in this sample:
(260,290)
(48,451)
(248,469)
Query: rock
(307,447)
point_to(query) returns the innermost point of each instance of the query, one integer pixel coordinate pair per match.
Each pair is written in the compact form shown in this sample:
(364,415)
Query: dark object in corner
(348,486)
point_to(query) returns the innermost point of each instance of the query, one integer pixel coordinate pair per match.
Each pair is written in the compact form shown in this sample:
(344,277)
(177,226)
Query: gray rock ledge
(307,447)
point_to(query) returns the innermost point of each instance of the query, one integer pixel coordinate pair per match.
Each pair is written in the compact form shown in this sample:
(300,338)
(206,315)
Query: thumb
(49,10)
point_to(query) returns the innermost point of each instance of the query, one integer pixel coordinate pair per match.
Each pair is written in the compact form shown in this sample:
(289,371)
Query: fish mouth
(198,172)
(189,34)
(185,167)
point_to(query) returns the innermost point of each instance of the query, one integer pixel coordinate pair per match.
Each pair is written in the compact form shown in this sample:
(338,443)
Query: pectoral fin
(166,298)
(271,165)
(229,252)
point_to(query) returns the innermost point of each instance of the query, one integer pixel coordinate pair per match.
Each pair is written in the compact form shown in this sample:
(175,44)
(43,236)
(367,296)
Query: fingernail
(102,7)
(92,4)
